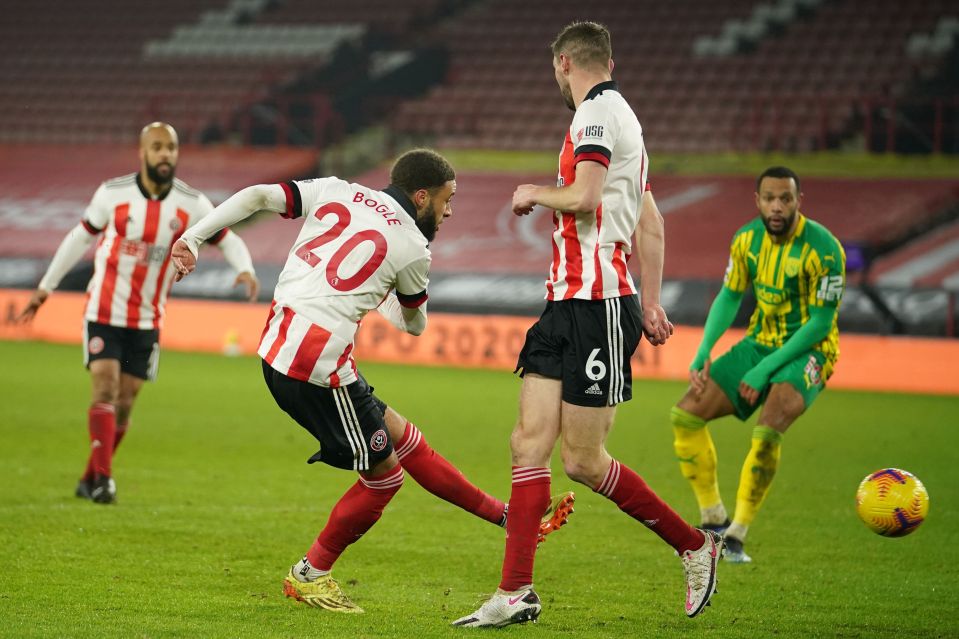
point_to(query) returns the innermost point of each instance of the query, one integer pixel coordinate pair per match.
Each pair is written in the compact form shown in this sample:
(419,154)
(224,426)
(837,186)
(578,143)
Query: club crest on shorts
(96,345)
(812,373)
(378,441)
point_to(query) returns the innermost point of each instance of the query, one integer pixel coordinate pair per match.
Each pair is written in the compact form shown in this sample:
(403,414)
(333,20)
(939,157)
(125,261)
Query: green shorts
(804,373)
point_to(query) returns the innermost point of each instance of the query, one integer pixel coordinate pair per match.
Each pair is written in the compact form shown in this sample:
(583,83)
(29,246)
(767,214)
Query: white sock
(304,571)
(714,515)
(737,530)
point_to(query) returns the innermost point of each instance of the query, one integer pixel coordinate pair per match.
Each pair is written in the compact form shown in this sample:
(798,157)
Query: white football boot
(503,609)
(700,567)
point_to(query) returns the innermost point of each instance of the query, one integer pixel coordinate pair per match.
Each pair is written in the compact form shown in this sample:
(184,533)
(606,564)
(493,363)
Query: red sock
(117,438)
(102,421)
(355,513)
(527,503)
(627,490)
(434,473)
(121,431)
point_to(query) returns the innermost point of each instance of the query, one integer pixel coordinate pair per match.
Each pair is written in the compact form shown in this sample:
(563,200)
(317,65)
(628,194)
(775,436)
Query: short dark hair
(587,43)
(421,169)
(778,172)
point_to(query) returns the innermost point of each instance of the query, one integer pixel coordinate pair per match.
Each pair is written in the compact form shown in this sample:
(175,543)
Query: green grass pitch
(216,501)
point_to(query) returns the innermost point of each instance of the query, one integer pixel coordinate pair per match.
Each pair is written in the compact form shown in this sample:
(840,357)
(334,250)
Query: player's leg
(137,354)
(435,473)
(140,363)
(352,516)
(352,436)
(97,483)
(130,386)
(532,442)
(692,442)
(310,579)
(792,389)
(586,461)
(102,354)
(696,452)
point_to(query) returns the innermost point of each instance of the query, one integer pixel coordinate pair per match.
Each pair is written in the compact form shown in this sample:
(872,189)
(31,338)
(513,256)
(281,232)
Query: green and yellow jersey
(807,270)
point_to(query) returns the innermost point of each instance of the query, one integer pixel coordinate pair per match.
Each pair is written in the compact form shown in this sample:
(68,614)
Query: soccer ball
(892,502)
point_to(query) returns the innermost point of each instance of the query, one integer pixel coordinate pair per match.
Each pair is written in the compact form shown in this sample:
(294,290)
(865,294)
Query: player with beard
(575,363)
(797,271)
(137,217)
(359,249)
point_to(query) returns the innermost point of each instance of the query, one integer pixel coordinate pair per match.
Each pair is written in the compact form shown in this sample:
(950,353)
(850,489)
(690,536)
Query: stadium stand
(703,77)
(931,261)
(99,75)
(844,57)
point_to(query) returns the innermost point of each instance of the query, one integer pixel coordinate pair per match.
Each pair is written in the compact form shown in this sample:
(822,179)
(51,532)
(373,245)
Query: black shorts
(347,421)
(587,344)
(138,350)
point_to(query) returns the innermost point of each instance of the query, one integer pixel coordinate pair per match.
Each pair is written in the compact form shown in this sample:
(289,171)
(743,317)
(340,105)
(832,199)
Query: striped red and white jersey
(590,251)
(132,273)
(356,245)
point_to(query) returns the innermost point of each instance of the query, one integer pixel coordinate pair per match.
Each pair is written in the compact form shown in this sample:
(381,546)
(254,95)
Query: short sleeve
(594,133)
(412,281)
(736,278)
(97,216)
(826,274)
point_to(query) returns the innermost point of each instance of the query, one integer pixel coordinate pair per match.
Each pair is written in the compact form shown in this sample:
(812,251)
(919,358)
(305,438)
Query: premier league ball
(892,502)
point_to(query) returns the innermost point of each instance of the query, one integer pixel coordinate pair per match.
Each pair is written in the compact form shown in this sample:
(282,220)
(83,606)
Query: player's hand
(753,381)
(697,378)
(36,301)
(249,281)
(747,392)
(656,326)
(523,199)
(183,259)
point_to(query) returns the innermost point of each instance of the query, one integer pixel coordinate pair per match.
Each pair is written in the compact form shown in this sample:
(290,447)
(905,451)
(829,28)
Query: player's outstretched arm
(30,310)
(71,249)
(250,284)
(238,207)
(651,245)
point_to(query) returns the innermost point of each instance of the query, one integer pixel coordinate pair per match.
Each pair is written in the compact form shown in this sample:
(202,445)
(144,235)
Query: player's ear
(420,198)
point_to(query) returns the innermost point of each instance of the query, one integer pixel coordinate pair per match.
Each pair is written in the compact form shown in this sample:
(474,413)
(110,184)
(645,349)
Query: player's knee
(529,448)
(782,416)
(583,468)
(105,394)
(686,403)
(680,417)
(123,411)
(395,424)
